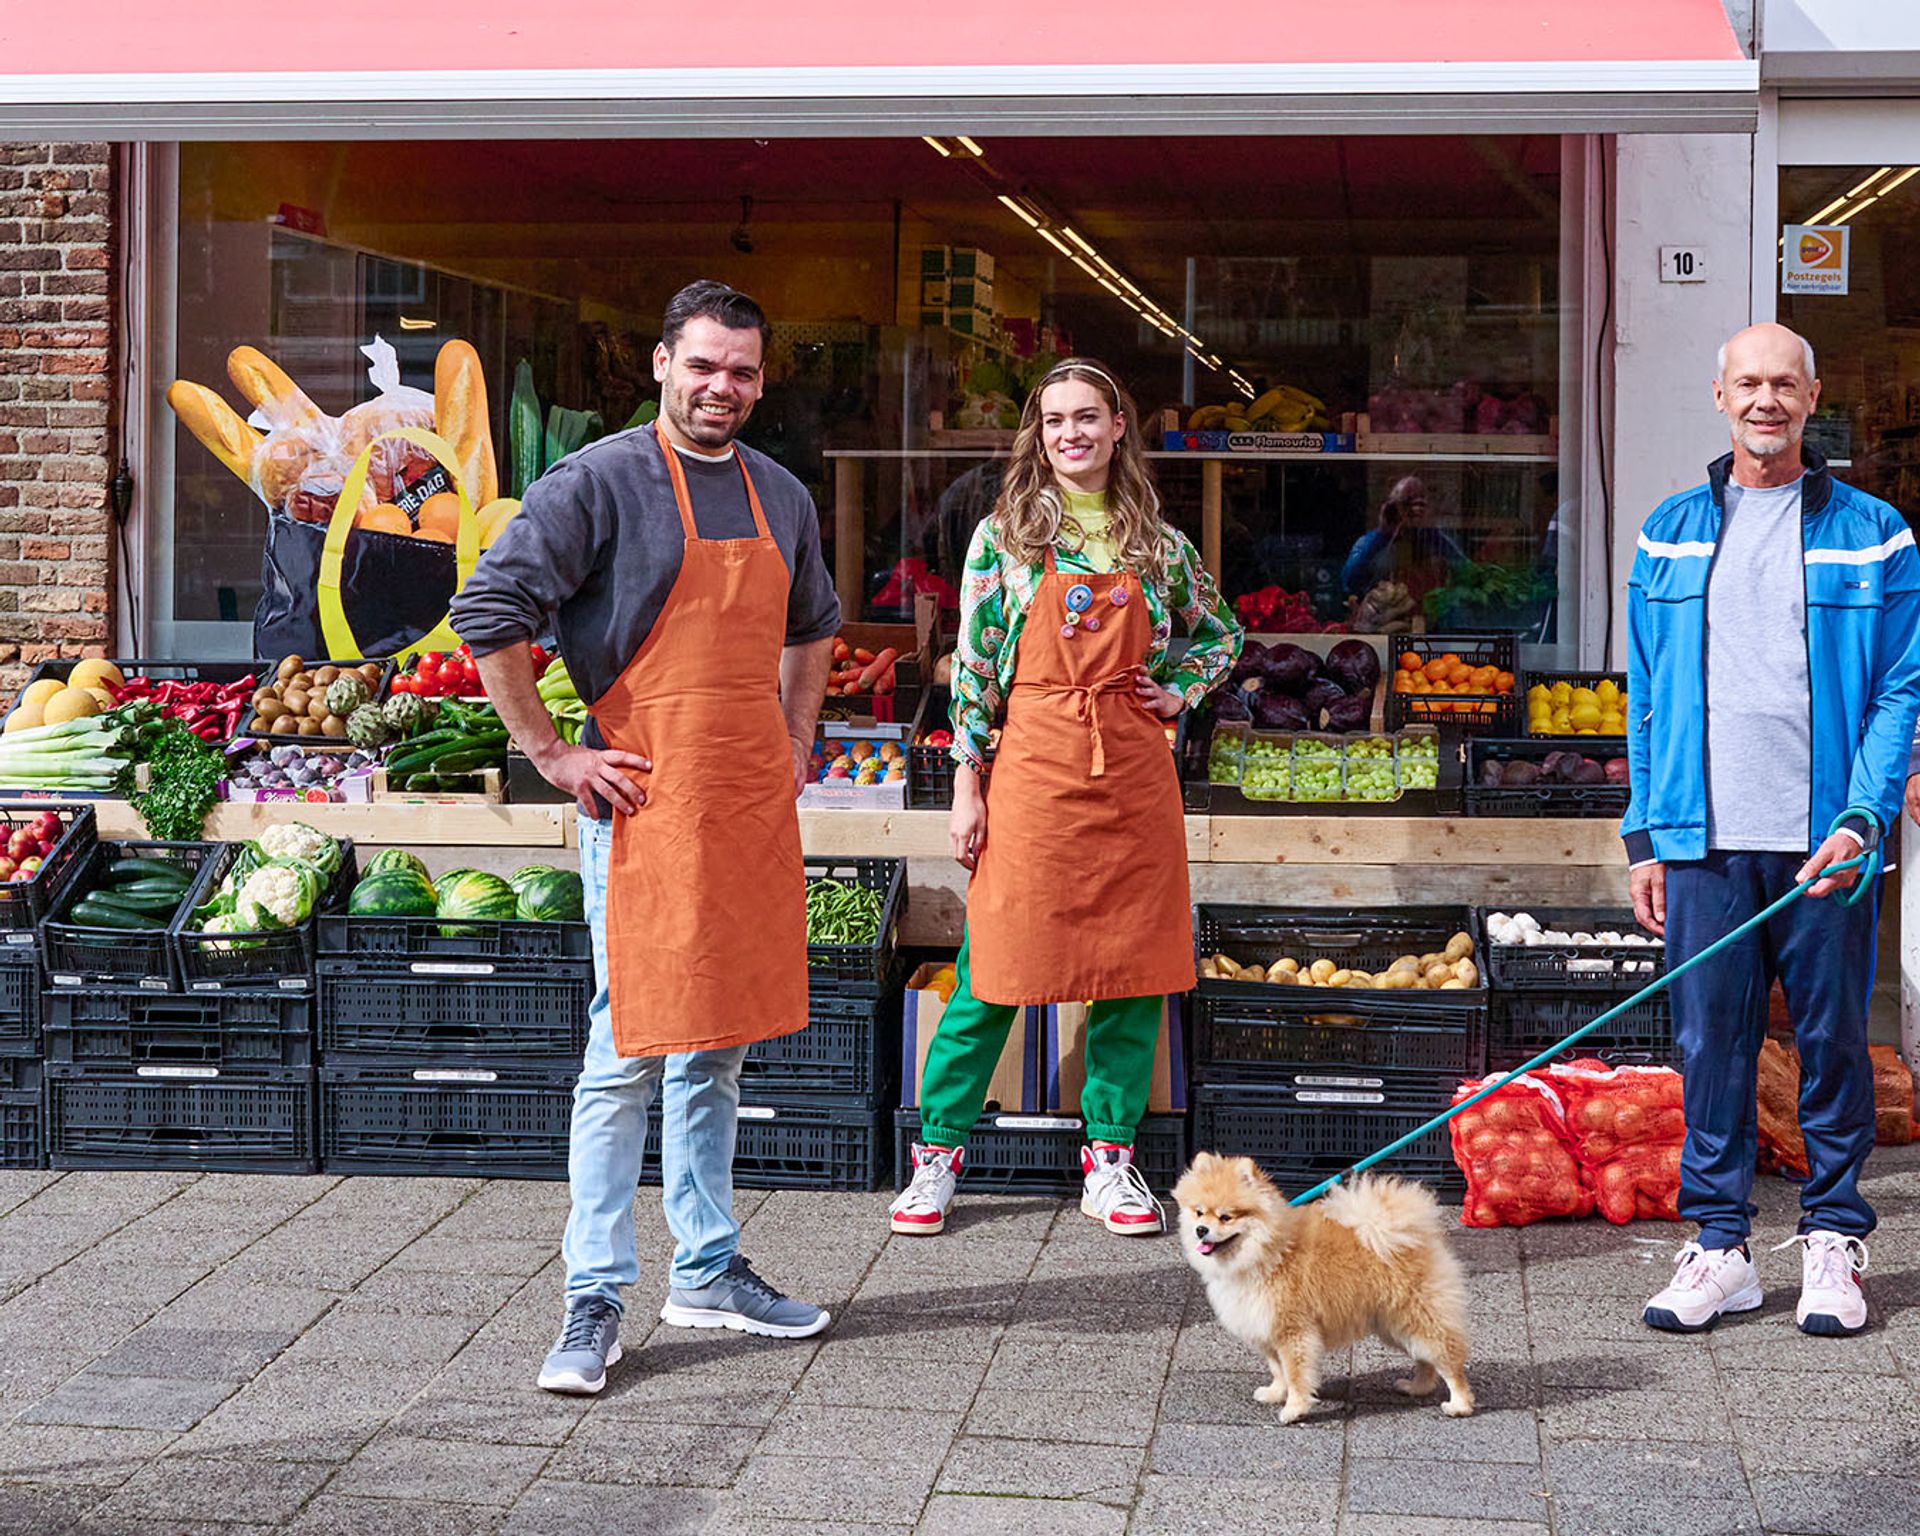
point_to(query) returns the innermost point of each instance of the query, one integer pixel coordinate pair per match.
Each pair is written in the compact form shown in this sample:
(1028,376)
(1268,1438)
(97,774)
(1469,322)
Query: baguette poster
(420,470)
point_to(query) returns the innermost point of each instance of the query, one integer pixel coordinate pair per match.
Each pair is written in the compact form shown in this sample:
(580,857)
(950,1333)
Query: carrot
(878,667)
(862,655)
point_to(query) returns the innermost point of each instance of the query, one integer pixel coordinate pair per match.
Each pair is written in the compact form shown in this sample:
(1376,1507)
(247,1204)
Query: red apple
(7,867)
(30,866)
(21,843)
(47,827)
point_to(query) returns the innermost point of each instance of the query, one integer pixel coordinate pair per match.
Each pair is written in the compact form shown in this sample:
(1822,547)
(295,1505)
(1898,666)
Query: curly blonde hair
(1030,517)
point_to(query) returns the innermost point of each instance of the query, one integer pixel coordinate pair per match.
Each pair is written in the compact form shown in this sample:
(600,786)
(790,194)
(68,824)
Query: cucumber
(150,885)
(418,758)
(90,913)
(131,901)
(147,869)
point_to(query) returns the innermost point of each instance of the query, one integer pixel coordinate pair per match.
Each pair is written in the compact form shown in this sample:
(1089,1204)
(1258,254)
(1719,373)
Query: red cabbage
(1354,666)
(1354,713)
(1277,712)
(1291,669)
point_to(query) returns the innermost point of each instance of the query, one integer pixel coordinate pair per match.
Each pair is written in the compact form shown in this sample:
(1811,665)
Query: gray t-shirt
(1759,699)
(596,549)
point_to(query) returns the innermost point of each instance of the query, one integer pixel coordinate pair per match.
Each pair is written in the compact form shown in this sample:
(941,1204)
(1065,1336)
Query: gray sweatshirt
(596,548)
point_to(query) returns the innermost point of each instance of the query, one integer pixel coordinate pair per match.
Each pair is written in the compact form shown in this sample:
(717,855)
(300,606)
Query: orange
(384,518)
(1437,668)
(436,535)
(1409,661)
(441,512)
(1503,682)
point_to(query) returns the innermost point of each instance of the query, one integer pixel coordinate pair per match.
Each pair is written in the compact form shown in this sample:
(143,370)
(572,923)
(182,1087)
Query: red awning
(367,68)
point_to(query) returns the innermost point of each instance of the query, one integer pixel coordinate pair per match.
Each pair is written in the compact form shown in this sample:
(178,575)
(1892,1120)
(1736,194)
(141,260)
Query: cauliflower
(297,840)
(279,894)
(227,922)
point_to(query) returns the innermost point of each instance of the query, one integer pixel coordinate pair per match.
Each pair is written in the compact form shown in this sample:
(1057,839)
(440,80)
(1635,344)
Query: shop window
(1859,304)
(1398,299)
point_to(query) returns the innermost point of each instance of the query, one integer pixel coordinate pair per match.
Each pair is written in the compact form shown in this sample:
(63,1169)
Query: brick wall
(56,377)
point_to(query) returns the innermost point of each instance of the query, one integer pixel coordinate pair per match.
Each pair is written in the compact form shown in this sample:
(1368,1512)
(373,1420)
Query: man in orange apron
(683,573)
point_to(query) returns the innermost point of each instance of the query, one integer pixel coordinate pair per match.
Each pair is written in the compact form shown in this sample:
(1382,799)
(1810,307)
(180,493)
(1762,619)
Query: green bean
(838,913)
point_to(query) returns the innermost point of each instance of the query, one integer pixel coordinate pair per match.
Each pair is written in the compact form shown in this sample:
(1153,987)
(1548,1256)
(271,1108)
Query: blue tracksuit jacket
(1863,661)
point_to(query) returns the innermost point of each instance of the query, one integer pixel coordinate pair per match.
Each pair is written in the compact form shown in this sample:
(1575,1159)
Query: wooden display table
(1330,860)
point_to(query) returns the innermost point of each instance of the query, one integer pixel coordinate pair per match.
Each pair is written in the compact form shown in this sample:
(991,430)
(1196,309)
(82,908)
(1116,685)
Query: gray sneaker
(589,1342)
(742,1301)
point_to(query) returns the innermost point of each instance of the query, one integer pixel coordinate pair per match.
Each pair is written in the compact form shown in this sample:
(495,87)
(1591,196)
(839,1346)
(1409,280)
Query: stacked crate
(171,1048)
(1308,1080)
(23,1119)
(814,1104)
(450,1049)
(1543,992)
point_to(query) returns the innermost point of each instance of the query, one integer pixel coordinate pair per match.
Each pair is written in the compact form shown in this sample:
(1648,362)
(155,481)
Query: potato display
(316,702)
(1448,970)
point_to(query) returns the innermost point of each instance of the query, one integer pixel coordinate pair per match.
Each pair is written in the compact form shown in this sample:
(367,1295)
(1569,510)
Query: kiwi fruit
(317,706)
(334,726)
(326,675)
(268,709)
(289,668)
(309,727)
(295,700)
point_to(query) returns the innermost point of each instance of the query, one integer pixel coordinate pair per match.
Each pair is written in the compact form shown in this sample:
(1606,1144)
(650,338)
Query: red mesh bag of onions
(1515,1150)
(1627,1126)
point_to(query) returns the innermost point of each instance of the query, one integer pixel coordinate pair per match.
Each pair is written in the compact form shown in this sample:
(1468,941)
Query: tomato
(400,684)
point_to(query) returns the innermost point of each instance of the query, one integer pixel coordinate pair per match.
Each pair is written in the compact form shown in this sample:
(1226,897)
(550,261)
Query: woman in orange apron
(1078,852)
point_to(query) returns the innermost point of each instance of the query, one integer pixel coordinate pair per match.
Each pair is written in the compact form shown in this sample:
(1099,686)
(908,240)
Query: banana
(1238,424)
(1208,418)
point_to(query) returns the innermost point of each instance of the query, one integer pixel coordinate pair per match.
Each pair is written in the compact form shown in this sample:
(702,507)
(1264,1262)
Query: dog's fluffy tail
(1387,1215)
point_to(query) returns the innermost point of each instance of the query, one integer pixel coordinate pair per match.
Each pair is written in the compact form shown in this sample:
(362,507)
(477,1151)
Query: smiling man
(1775,678)
(695,614)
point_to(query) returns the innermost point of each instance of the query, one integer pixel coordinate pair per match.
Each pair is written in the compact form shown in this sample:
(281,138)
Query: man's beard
(1769,447)
(696,428)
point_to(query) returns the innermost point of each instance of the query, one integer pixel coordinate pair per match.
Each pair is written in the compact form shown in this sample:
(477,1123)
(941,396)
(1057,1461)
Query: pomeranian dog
(1296,1281)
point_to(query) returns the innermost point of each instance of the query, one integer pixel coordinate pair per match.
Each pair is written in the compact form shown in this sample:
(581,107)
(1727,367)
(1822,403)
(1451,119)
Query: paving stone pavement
(355,1357)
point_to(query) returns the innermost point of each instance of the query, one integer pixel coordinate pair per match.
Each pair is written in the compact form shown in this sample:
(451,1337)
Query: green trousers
(1121,1036)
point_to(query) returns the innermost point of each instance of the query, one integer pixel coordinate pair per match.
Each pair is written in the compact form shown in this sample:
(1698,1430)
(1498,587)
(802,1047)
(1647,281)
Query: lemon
(1538,694)
(1584,696)
(1584,717)
(1561,692)
(1608,692)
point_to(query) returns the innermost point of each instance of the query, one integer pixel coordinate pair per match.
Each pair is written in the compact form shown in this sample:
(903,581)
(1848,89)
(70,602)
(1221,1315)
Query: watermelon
(395,859)
(549,895)
(392,892)
(519,878)
(476,897)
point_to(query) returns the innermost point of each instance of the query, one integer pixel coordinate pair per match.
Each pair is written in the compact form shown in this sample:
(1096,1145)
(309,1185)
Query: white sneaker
(1116,1195)
(1831,1301)
(1706,1282)
(921,1208)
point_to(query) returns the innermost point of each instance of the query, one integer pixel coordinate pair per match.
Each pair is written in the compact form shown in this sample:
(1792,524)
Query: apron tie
(1086,698)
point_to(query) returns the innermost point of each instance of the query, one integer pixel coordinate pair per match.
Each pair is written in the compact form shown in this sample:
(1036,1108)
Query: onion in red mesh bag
(1627,1126)
(1514,1149)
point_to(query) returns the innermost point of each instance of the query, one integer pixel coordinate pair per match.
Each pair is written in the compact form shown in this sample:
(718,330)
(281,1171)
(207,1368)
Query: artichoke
(346,693)
(368,727)
(402,713)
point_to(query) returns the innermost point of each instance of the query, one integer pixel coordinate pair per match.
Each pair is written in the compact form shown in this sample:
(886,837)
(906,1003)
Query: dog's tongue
(1205,1248)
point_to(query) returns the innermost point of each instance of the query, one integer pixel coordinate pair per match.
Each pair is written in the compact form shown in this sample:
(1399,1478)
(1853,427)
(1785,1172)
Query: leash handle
(1867,862)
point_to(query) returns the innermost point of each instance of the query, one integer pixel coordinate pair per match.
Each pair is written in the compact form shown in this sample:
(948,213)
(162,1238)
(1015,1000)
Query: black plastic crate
(1010,1154)
(860,970)
(1609,800)
(929,768)
(1268,1041)
(850,1049)
(1572,680)
(181,1035)
(78,956)
(509,944)
(1368,939)
(282,959)
(1573,967)
(823,1145)
(460,1122)
(23,1129)
(20,1072)
(1499,714)
(121,1121)
(252,729)
(229,671)
(1527,1023)
(1301,1135)
(24,904)
(20,994)
(412,1014)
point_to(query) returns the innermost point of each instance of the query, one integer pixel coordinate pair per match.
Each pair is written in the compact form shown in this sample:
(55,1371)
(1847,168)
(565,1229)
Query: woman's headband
(1065,368)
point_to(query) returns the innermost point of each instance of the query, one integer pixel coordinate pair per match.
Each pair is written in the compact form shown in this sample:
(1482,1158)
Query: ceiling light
(937,147)
(1901,179)
(409,323)
(1075,236)
(1085,266)
(1111,289)
(1020,208)
(968,145)
(1870,181)
(1836,203)
(1853,208)
(1054,240)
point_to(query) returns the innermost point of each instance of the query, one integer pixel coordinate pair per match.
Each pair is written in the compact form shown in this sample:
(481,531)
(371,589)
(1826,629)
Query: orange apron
(1081,890)
(706,893)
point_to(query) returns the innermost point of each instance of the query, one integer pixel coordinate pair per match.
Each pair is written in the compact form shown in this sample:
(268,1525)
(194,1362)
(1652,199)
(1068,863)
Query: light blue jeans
(700,1100)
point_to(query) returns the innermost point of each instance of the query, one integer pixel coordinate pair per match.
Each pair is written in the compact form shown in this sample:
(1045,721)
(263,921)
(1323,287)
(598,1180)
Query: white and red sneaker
(1831,1301)
(1116,1195)
(920,1210)
(1707,1282)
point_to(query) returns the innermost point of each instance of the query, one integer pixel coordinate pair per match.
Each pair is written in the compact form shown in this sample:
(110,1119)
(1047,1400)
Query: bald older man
(1773,635)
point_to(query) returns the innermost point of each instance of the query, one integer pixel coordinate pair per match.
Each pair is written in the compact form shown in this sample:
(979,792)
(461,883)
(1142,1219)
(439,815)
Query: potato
(1466,973)
(289,668)
(1453,984)
(1431,958)
(1285,963)
(1209,969)
(1254,973)
(1398,980)
(1411,961)
(1320,970)
(1437,973)
(1279,978)
(1362,979)
(295,700)
(1340,978)
(1459,947)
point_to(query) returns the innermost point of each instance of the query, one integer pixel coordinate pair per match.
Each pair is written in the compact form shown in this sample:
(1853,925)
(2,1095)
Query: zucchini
(147,869)
(417,758)
(91,913)
(135,901)
(148,885)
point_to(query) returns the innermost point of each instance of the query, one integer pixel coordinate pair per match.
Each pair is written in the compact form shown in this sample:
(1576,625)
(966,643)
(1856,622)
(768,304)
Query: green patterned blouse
(996,592)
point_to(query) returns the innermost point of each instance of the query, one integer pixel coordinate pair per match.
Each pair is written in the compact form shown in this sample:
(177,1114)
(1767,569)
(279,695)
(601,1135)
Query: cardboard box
(1064,1064)
(970,322)
(967,261)
(936,260)
(913,642)
(965,293)
(935,294)
(1015,1084)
